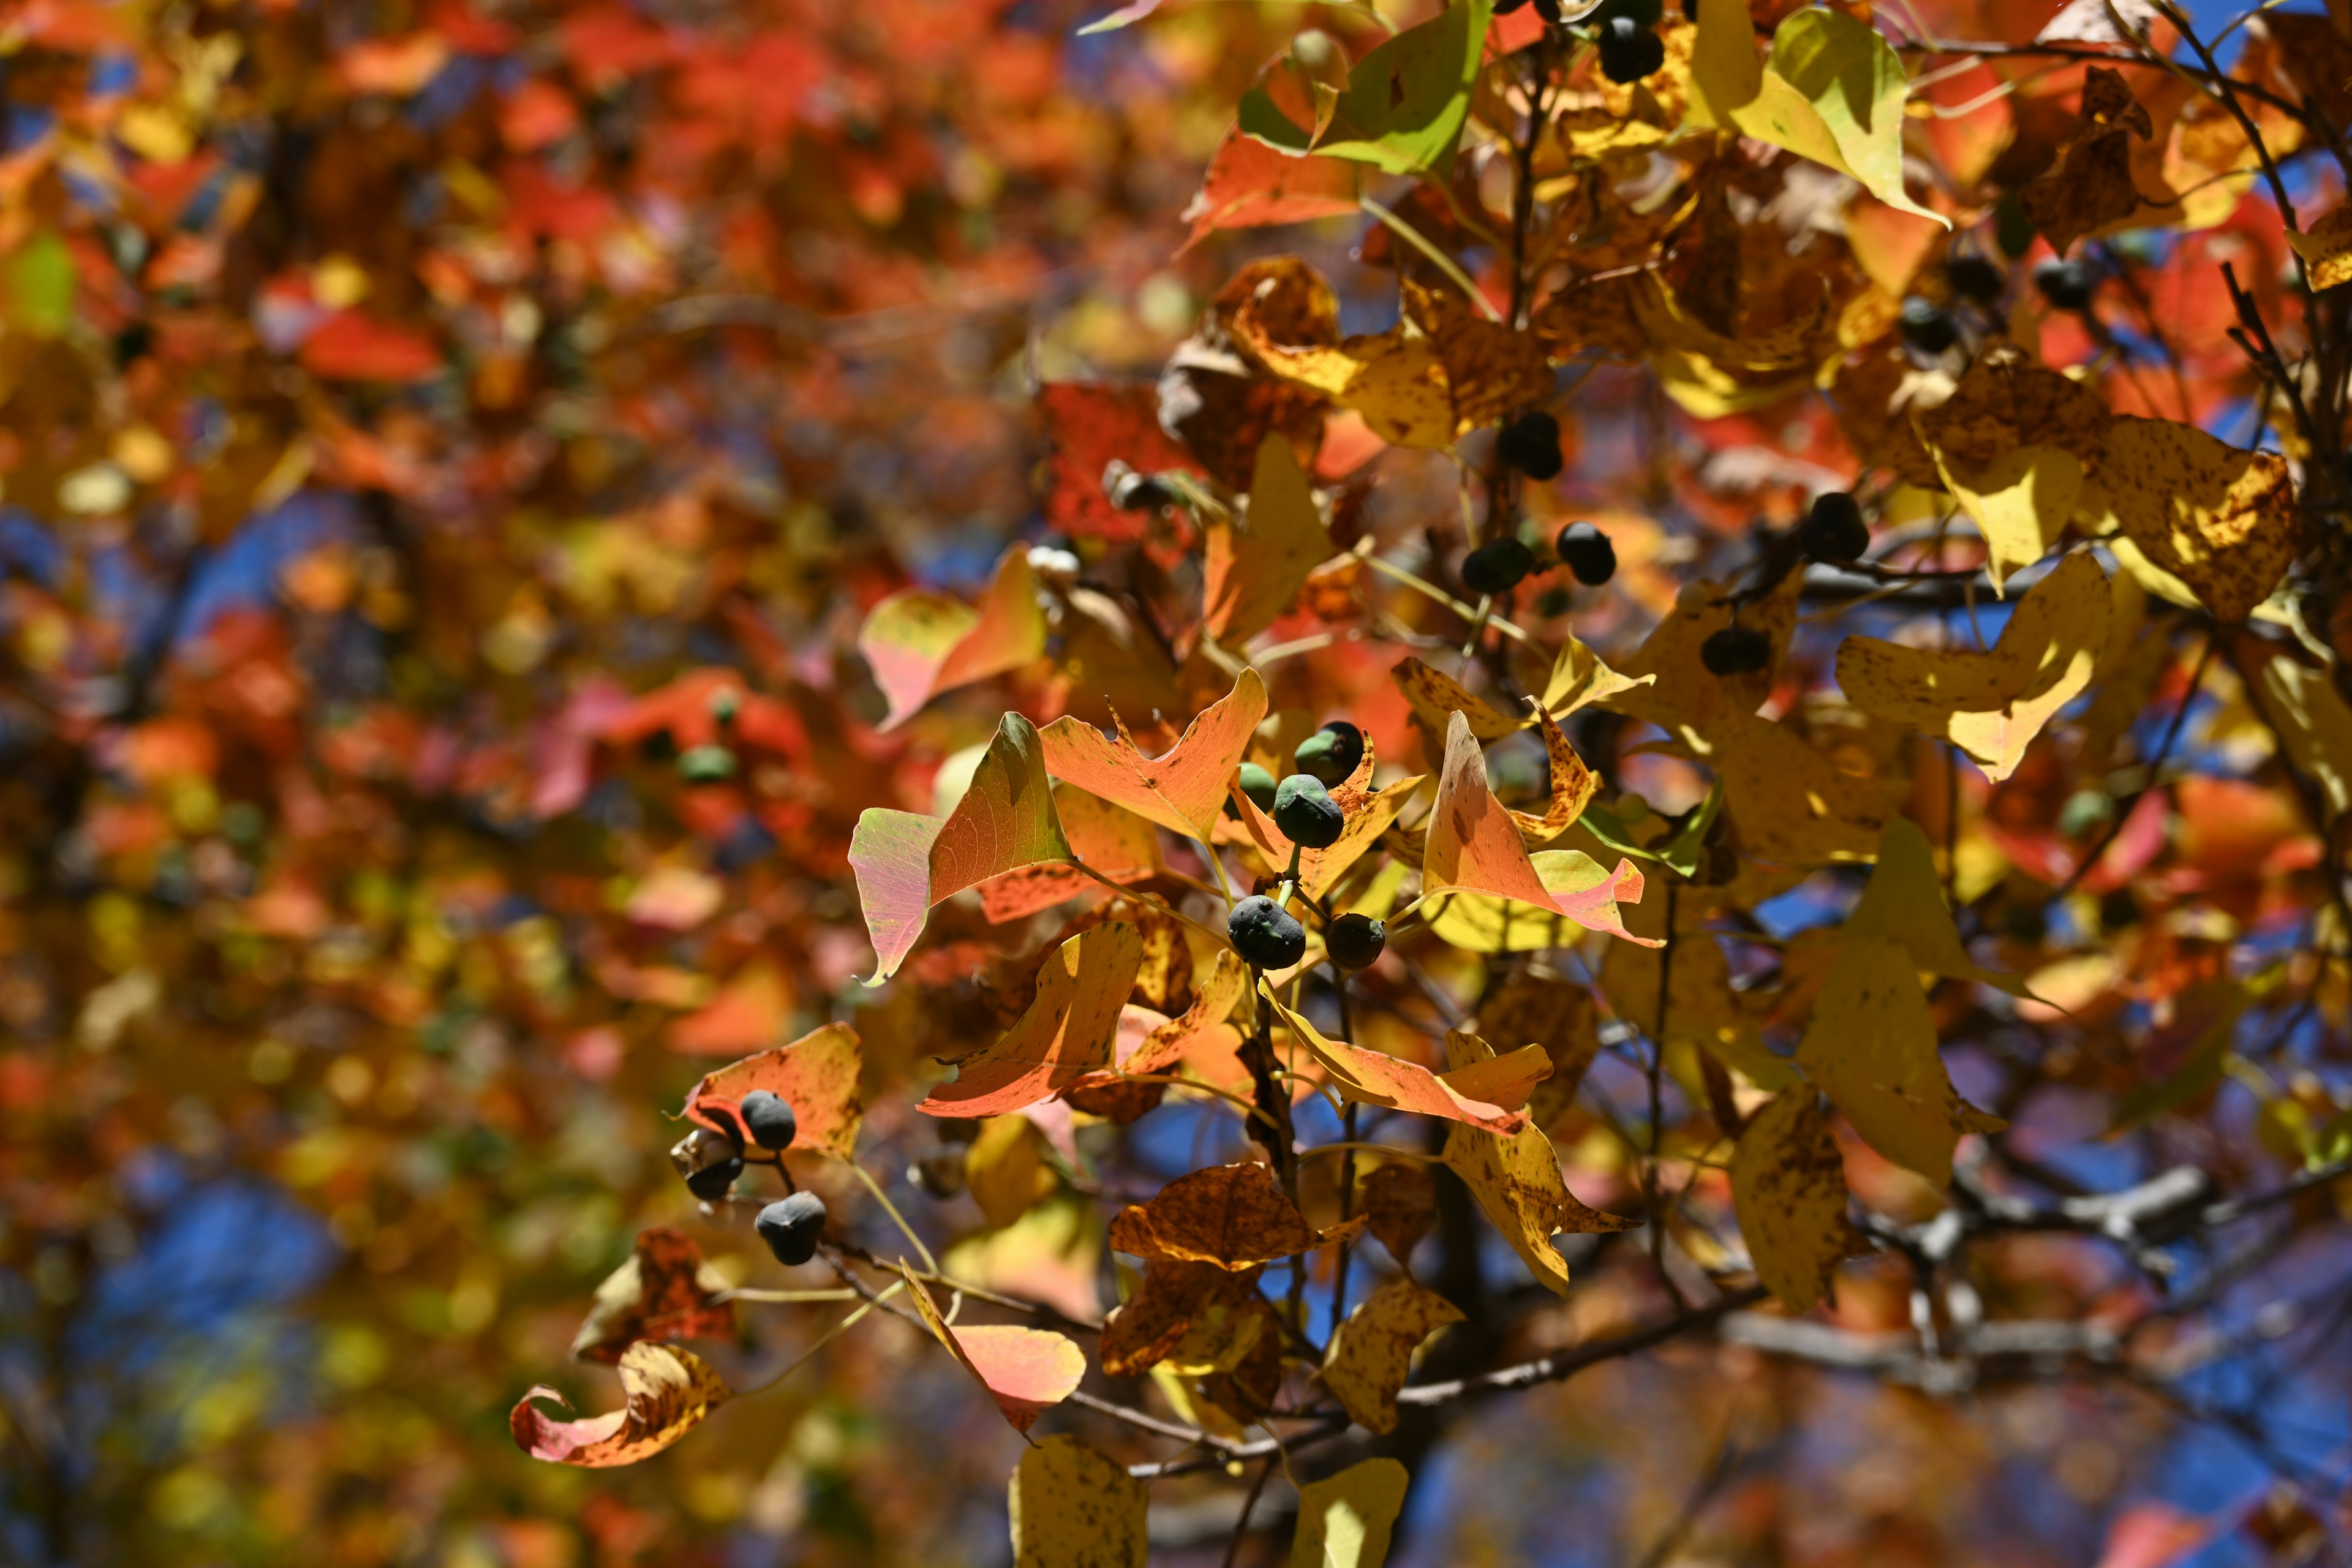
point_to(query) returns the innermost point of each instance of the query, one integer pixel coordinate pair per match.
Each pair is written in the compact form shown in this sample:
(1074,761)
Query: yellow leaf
(2310,715)
(2013,443)
(2327,248)
(1344,1521)
(1071,1508)
(1792,804)
(2019,502)
(1434,696)
(1480,922)
(1369,1355)
(1519,1186)
(1579,677)
(1872,1049)
(2222,520)
(1256,564)
(1904,904)
(1990,704)
(1702,1009)
(1182,790)
(1005,1169)
(1066,1033)
(1788,1189)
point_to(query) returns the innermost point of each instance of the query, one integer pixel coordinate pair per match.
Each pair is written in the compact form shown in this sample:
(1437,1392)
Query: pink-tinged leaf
(1182,791)
(1376,1079)
(747,1013)
(1256,564)
(664,1291)
(1026,1370)
(1251,185)
(1110,838)
(1474,845)
(1066,1033)
(817,1075)
(700,708)
(667,1392)
(907,862)
(1125,17)
(921,644)
(1090,423)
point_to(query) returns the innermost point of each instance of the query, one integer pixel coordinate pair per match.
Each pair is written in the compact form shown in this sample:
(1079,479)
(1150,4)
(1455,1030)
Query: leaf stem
(896,1217)
(1443,262)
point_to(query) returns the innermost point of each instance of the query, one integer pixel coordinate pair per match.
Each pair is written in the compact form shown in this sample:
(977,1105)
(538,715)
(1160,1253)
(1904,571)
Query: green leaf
(41,286)
(1406,101)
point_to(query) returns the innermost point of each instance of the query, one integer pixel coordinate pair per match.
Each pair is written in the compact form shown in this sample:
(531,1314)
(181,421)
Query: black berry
(1587,554)
(1736,650)
(792,1226)
(769,1118)
(1532,445)
(1305,813)
(1926,327)
(1976,278)
(1332,753)
(715,1181)
(1834,529)
(1645,13)
(1496,568)
(1266,934)
(2068,284)
(1628,52)
(1355,942)
(1131,491)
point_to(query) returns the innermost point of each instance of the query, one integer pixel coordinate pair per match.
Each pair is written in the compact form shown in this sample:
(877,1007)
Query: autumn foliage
(1417,784)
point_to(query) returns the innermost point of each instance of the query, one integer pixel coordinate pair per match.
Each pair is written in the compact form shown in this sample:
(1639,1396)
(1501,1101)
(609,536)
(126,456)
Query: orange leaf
(1378,1078)
(1251,185)
(1026,1370)
(348,346)
(907,862)
(1182,790)
(744,1016)
(817,1075)
(1066,1033)
(1231,1216)
(1207,1022)
(1110,838)
(667,1392)
(921,644)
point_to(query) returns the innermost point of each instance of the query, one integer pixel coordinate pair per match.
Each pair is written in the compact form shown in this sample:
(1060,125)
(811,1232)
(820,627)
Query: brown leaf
(1231,1216)
(1155,1320)
(1401,1204)
(1536,1007)
(2090,187)
(1787,1188)
(1072,1507)
(2220,521)
(664,1291)
(1517,1183)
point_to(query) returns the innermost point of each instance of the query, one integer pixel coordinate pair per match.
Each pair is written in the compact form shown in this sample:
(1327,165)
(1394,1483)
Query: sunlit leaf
(1345,1520)
(1066,1034)
(1231,1216)
(664,1291)
(666,1392)
(919,643)
(818,1075)
(1256,563)
(1071,1508)
(1788,1189)
(1185,788)
(1370,1355)
(1406,99)
(1026,1370)
(2222,522)
(1490,1095)
(1517,1183)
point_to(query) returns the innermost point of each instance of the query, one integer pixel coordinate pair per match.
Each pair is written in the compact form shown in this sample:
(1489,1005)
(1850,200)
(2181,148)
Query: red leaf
(1090,423)
(1250,186)
(1026,1370)
(349,347)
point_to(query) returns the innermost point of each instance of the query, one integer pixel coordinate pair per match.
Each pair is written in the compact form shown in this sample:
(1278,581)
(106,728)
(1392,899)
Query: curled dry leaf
(1026,1370)
(1066,1033)
(1990,704)
(1573,785)
(2327,248)
(2220,521)
(817,1075)
(1434,696)
(664,1291)
(1376,1079)
(1071,1508)
(666,1392)
(2092,187)
(907,862)
(1788,1189)
(921,644)
(1345,1520)
(1231,1216)
(1182,791)
(1370,1355)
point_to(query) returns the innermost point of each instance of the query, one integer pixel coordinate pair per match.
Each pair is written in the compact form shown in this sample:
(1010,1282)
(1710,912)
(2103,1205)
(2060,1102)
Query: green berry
(1355,942)
(1305,813)
(1258,784)
(1266,934)
(1496,568)
(706,764)
(1332,753)
(791,1228)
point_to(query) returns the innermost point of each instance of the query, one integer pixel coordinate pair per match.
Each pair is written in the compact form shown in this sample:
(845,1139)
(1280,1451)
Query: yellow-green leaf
(1344,1521)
